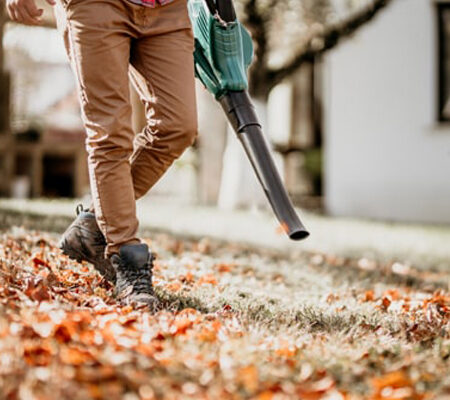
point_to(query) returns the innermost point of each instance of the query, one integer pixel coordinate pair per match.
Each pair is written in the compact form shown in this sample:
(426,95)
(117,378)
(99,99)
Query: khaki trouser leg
(163,74)
(98,44)
(101,38)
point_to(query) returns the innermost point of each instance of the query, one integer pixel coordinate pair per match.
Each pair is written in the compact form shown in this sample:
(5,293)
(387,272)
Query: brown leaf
(36,290)
(75,356)
(38,262)
(37,354)
(225,268)
(187,278)
(97,373)
(64,331)
(385,303)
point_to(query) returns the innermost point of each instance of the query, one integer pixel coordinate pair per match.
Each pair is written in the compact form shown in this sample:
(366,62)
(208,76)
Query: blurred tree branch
(261,15)
(321,38)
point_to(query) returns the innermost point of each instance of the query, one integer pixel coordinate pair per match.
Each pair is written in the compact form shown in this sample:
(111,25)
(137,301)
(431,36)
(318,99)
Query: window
(444,61)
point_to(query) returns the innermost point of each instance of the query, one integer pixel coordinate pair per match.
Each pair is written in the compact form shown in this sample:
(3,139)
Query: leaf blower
(223,53)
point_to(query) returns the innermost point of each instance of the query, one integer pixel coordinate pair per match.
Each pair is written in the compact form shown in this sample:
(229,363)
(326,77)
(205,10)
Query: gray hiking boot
(133,266)
(83,241)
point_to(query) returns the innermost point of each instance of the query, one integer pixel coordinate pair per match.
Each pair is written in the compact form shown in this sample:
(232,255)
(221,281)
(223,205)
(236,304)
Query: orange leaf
(181,325)
(207,279)
(37,354)
(369,295)
(224,268)
(146,349)
(249,377)
(187,278)
(64,332)
(207,335)
(173,286)
(75,356)
(95,391)
(266,395)
(285,350)
(392,294)
(393,379)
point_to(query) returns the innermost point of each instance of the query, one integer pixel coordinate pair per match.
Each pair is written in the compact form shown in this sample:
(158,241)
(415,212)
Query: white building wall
(386,155)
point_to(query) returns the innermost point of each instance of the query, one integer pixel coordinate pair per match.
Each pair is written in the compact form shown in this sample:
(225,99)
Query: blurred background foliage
(290,37)
(289,32)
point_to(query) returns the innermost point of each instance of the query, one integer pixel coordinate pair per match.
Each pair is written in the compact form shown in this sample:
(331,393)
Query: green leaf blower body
(223,51)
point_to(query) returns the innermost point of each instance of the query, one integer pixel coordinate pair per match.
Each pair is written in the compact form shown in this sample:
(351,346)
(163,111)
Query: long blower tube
(242,116)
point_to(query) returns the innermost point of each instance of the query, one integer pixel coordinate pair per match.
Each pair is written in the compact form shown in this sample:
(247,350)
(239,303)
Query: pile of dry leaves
(63,336)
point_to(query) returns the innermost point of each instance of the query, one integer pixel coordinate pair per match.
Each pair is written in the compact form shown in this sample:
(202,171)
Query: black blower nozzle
(241,114)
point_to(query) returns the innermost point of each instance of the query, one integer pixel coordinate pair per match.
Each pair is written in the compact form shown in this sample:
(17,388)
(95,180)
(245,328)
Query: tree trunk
(212,140)
(6,151)
(4,82)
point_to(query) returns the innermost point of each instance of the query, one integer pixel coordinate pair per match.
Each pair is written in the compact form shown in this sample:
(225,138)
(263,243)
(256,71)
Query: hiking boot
(83,241)
(133,266)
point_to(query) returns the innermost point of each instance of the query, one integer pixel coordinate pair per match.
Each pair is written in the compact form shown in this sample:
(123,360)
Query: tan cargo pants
(108,42)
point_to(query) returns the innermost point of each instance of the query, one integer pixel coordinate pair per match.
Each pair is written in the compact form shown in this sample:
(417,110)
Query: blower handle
(225,8)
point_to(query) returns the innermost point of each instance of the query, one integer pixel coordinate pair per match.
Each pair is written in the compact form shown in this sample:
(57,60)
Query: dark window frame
(443,72)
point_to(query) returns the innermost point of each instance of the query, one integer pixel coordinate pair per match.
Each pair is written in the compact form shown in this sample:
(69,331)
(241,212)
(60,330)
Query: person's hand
(25,11)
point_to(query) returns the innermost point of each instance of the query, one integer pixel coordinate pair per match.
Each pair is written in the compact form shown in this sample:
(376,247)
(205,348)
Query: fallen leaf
(37,354)
(207,279)
(248,376)
(174,286)
(75,356)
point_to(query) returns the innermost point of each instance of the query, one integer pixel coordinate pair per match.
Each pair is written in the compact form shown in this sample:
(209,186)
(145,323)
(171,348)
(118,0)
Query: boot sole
(75,255)
(71,252)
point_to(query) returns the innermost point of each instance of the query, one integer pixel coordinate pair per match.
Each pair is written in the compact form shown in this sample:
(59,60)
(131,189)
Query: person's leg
(173,126)
(163,73)
(97,37)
